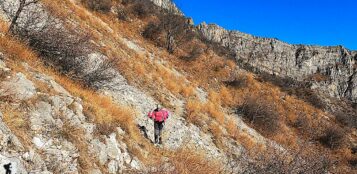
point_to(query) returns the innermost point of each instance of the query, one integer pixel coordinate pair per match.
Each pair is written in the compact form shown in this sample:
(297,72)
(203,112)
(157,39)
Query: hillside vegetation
(100,66)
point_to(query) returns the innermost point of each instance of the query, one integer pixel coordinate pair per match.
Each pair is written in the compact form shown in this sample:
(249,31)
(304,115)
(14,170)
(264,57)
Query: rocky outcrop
(54,131)
(168,5)
(18,87)
(335,66)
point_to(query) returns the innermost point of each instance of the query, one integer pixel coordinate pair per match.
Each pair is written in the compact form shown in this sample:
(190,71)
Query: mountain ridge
(287,60)
(342,82)
(270,38)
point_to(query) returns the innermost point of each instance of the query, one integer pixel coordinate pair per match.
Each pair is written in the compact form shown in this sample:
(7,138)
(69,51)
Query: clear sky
(316,22)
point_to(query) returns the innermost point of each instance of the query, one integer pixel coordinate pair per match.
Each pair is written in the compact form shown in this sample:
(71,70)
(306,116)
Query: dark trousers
(158,129)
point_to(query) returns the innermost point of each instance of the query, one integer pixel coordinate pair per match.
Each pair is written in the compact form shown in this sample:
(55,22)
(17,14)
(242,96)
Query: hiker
(159,116)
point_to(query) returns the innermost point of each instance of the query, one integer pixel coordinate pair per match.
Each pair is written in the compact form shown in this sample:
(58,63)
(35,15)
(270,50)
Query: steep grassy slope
(220,111)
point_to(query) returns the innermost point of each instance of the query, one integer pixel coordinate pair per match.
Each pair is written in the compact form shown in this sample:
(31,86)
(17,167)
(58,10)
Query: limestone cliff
(167,4)
(301,62)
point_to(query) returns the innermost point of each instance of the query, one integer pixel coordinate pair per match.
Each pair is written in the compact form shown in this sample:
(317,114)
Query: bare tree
(171,32)
(177,31)
(22,4)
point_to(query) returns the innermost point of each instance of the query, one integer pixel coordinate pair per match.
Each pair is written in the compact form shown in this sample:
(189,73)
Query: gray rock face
(18,87)
(168,5)
(299,62)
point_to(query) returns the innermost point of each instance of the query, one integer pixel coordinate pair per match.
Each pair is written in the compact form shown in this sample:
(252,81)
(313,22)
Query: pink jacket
(161,115)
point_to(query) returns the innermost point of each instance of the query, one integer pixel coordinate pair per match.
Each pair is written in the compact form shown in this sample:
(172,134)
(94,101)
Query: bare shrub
(123,14)
(347,117)
(299,89)
(353,163)
(105,129)
(141,10)
(152,31)
(64,48)
(333,137)
(237,82)
(102,74)
(304,125)
(3,74)
(194,53)
(99,5)
(273,160)
(261,113)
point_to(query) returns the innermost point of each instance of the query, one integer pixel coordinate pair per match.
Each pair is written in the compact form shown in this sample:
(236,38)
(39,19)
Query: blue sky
(315,22)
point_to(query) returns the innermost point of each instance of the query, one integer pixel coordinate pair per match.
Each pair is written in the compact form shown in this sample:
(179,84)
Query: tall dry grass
(185,161)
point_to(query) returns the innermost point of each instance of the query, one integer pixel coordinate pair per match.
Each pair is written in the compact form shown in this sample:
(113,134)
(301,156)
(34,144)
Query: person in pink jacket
(159,116)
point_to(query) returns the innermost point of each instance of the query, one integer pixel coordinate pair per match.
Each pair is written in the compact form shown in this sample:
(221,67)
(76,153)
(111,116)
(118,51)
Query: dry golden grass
(106,112)
(172,85)
(75,135)
(214,97)
(140,69)
(187,161)
(217,133)
(17,123)
(3,26)
(14,119)
(193,108)
(188,91)
(231,128)
(226,96)
(248,142)
(214,111)
(231,64)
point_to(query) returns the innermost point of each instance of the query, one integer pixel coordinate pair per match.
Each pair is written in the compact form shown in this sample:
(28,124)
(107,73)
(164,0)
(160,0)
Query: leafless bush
(62,47)
(347,117)
(276,161)
(237,82)
(152,31)
(99,5)
(3,74)
(123,14)
(141,10)
(299,89)
(105,129)
(194,53)
(333,137)
(99,76)
(303,125)
(261,114)
(353,163)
